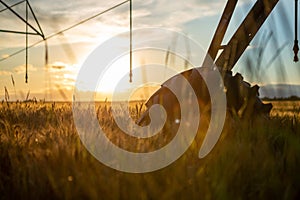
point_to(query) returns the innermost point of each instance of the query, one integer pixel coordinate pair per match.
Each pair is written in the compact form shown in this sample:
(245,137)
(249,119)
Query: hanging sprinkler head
(296,50)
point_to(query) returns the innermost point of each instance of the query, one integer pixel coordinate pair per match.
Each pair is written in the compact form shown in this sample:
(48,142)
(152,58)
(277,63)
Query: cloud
(63,74)
(4,55)
(5,73)
(56,15)
(22,69)
(58,65)
(164,13)
(62,67)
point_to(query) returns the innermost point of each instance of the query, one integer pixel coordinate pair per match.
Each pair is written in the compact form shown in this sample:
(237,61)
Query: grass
(41,157)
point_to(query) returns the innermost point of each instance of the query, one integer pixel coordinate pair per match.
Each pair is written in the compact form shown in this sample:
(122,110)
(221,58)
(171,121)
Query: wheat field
(42,157)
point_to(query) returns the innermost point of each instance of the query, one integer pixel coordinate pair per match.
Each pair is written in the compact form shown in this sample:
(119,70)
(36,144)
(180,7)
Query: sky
(197,19)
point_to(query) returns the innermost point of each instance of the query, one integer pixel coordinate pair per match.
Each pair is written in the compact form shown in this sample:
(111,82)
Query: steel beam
(245,33)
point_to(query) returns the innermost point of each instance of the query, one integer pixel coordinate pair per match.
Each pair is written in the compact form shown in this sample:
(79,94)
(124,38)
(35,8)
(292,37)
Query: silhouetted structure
(242,99)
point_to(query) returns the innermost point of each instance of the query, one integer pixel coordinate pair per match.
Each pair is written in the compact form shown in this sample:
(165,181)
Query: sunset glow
(68,50)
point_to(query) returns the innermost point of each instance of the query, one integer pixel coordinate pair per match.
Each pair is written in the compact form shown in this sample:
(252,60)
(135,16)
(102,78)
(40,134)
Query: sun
(113,73)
